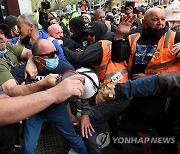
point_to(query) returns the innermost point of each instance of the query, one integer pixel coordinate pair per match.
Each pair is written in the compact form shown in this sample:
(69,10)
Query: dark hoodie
(78,27)
(93,53)
(101,31)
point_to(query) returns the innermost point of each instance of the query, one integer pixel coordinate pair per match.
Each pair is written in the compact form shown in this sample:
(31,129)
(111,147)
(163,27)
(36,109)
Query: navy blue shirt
(18,72)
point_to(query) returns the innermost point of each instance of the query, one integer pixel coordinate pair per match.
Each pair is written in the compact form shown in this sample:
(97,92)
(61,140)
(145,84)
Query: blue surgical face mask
(3,52)
(51,64)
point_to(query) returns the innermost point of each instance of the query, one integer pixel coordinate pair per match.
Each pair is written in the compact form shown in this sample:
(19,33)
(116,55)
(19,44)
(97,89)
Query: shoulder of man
(43,34)
(15,49)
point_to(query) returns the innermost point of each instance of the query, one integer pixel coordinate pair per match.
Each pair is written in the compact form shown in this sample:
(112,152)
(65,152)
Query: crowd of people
(135,51)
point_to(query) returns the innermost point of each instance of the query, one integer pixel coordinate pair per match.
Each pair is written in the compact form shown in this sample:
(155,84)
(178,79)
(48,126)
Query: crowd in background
(124,45)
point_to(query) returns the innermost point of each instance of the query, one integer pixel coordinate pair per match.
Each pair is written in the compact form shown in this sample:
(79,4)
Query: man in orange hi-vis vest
(149,52)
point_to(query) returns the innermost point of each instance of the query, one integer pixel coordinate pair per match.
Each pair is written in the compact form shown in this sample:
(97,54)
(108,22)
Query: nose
(160,21)
(18,30)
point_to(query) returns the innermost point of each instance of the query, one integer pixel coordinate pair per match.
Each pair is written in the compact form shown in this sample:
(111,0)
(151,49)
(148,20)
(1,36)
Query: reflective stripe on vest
(107,68)
(163,65)
(162,60)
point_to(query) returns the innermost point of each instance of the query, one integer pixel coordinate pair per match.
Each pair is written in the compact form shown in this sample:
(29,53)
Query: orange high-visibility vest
(163,60)
(107,68)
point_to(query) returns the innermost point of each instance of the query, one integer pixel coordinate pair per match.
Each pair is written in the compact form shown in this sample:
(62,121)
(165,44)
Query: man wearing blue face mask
(47,61)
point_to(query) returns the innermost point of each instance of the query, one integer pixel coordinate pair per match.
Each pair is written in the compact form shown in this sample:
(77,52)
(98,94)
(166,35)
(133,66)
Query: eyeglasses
(49,55)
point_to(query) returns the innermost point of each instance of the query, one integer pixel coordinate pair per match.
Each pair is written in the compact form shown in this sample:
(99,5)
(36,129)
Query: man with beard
(149,52)
(29,33)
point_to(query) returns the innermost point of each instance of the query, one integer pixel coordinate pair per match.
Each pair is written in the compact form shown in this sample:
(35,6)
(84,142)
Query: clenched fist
(105,93)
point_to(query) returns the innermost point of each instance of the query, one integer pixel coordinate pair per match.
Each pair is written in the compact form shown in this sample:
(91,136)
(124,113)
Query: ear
(31,26)
(144,24)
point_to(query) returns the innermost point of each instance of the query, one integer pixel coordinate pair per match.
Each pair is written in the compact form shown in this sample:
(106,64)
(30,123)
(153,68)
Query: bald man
(55,31)
(150,49)
(47,61)
(149,52)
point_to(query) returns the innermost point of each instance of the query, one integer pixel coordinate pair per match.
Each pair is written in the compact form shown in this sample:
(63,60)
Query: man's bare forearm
(14,109)
(12,89)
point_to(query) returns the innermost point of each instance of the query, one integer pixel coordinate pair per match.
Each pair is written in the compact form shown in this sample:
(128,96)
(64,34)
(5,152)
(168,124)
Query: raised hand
(124,27)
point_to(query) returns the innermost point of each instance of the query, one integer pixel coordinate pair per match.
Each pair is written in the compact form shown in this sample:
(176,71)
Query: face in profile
(2,40)
(24,31)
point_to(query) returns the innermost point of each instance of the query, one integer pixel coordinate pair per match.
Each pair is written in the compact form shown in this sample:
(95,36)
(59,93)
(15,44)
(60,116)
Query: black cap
(11,21)
(3,27)
(90,30)
(140,9)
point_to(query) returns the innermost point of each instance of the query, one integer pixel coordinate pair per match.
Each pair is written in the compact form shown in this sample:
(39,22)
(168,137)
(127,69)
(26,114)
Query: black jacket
(78,27)
(94,52)
(121,48)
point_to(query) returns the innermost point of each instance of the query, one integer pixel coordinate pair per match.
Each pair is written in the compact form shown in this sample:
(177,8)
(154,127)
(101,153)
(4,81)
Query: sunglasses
(49,55)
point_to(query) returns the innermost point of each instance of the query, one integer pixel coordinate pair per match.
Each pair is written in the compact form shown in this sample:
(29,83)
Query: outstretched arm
(11,88)
(168,83)
(14,109)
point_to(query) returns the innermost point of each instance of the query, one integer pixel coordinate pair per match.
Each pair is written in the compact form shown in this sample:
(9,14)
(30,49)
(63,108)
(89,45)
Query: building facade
(14,7)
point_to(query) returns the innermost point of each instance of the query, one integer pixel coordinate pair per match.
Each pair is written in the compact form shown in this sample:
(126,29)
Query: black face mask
(60,38)
(155,33)
(26,40)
